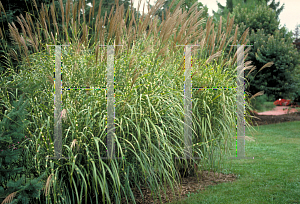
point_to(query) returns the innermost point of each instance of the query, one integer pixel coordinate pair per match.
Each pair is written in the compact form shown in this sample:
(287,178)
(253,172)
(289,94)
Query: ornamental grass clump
(149,100)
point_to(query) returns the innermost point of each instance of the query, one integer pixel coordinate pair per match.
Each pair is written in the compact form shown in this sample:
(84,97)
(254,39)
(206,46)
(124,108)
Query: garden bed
(274,119)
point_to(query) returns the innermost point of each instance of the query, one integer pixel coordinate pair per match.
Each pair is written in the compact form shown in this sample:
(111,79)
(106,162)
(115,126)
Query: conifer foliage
(282,79)
(270,44)
(12,187)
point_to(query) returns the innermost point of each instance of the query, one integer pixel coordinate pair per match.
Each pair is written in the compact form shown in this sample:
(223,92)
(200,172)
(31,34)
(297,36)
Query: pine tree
(296,33)
(275,6)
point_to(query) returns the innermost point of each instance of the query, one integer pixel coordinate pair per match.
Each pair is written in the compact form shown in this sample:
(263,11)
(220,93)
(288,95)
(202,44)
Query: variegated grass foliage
(149,100)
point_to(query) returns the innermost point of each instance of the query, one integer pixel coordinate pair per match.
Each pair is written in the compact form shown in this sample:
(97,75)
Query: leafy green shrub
(256,102)
(271,97)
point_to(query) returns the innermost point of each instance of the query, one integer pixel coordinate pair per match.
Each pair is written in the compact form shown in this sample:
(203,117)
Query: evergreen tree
(270,44)
(11,166)
(259,16)
(296,33)
(275,8)
(281,79)
(250,4)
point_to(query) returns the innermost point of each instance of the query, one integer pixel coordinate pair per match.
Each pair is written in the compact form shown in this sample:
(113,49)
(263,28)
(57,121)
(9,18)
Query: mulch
(273,119)
(192,184)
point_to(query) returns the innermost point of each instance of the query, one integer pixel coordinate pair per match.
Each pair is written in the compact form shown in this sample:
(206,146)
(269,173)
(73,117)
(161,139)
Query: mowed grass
(272,177)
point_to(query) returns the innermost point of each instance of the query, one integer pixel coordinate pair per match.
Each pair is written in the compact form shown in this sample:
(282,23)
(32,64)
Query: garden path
(279,110)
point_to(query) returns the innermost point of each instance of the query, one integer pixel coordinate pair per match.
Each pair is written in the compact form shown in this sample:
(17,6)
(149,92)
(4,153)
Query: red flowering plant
(286,102)
(282,102)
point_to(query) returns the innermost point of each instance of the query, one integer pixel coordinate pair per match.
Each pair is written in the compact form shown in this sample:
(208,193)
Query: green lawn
(272,177)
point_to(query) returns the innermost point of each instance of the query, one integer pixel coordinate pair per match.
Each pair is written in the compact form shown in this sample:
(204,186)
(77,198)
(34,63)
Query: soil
(188,185)
(192,184)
